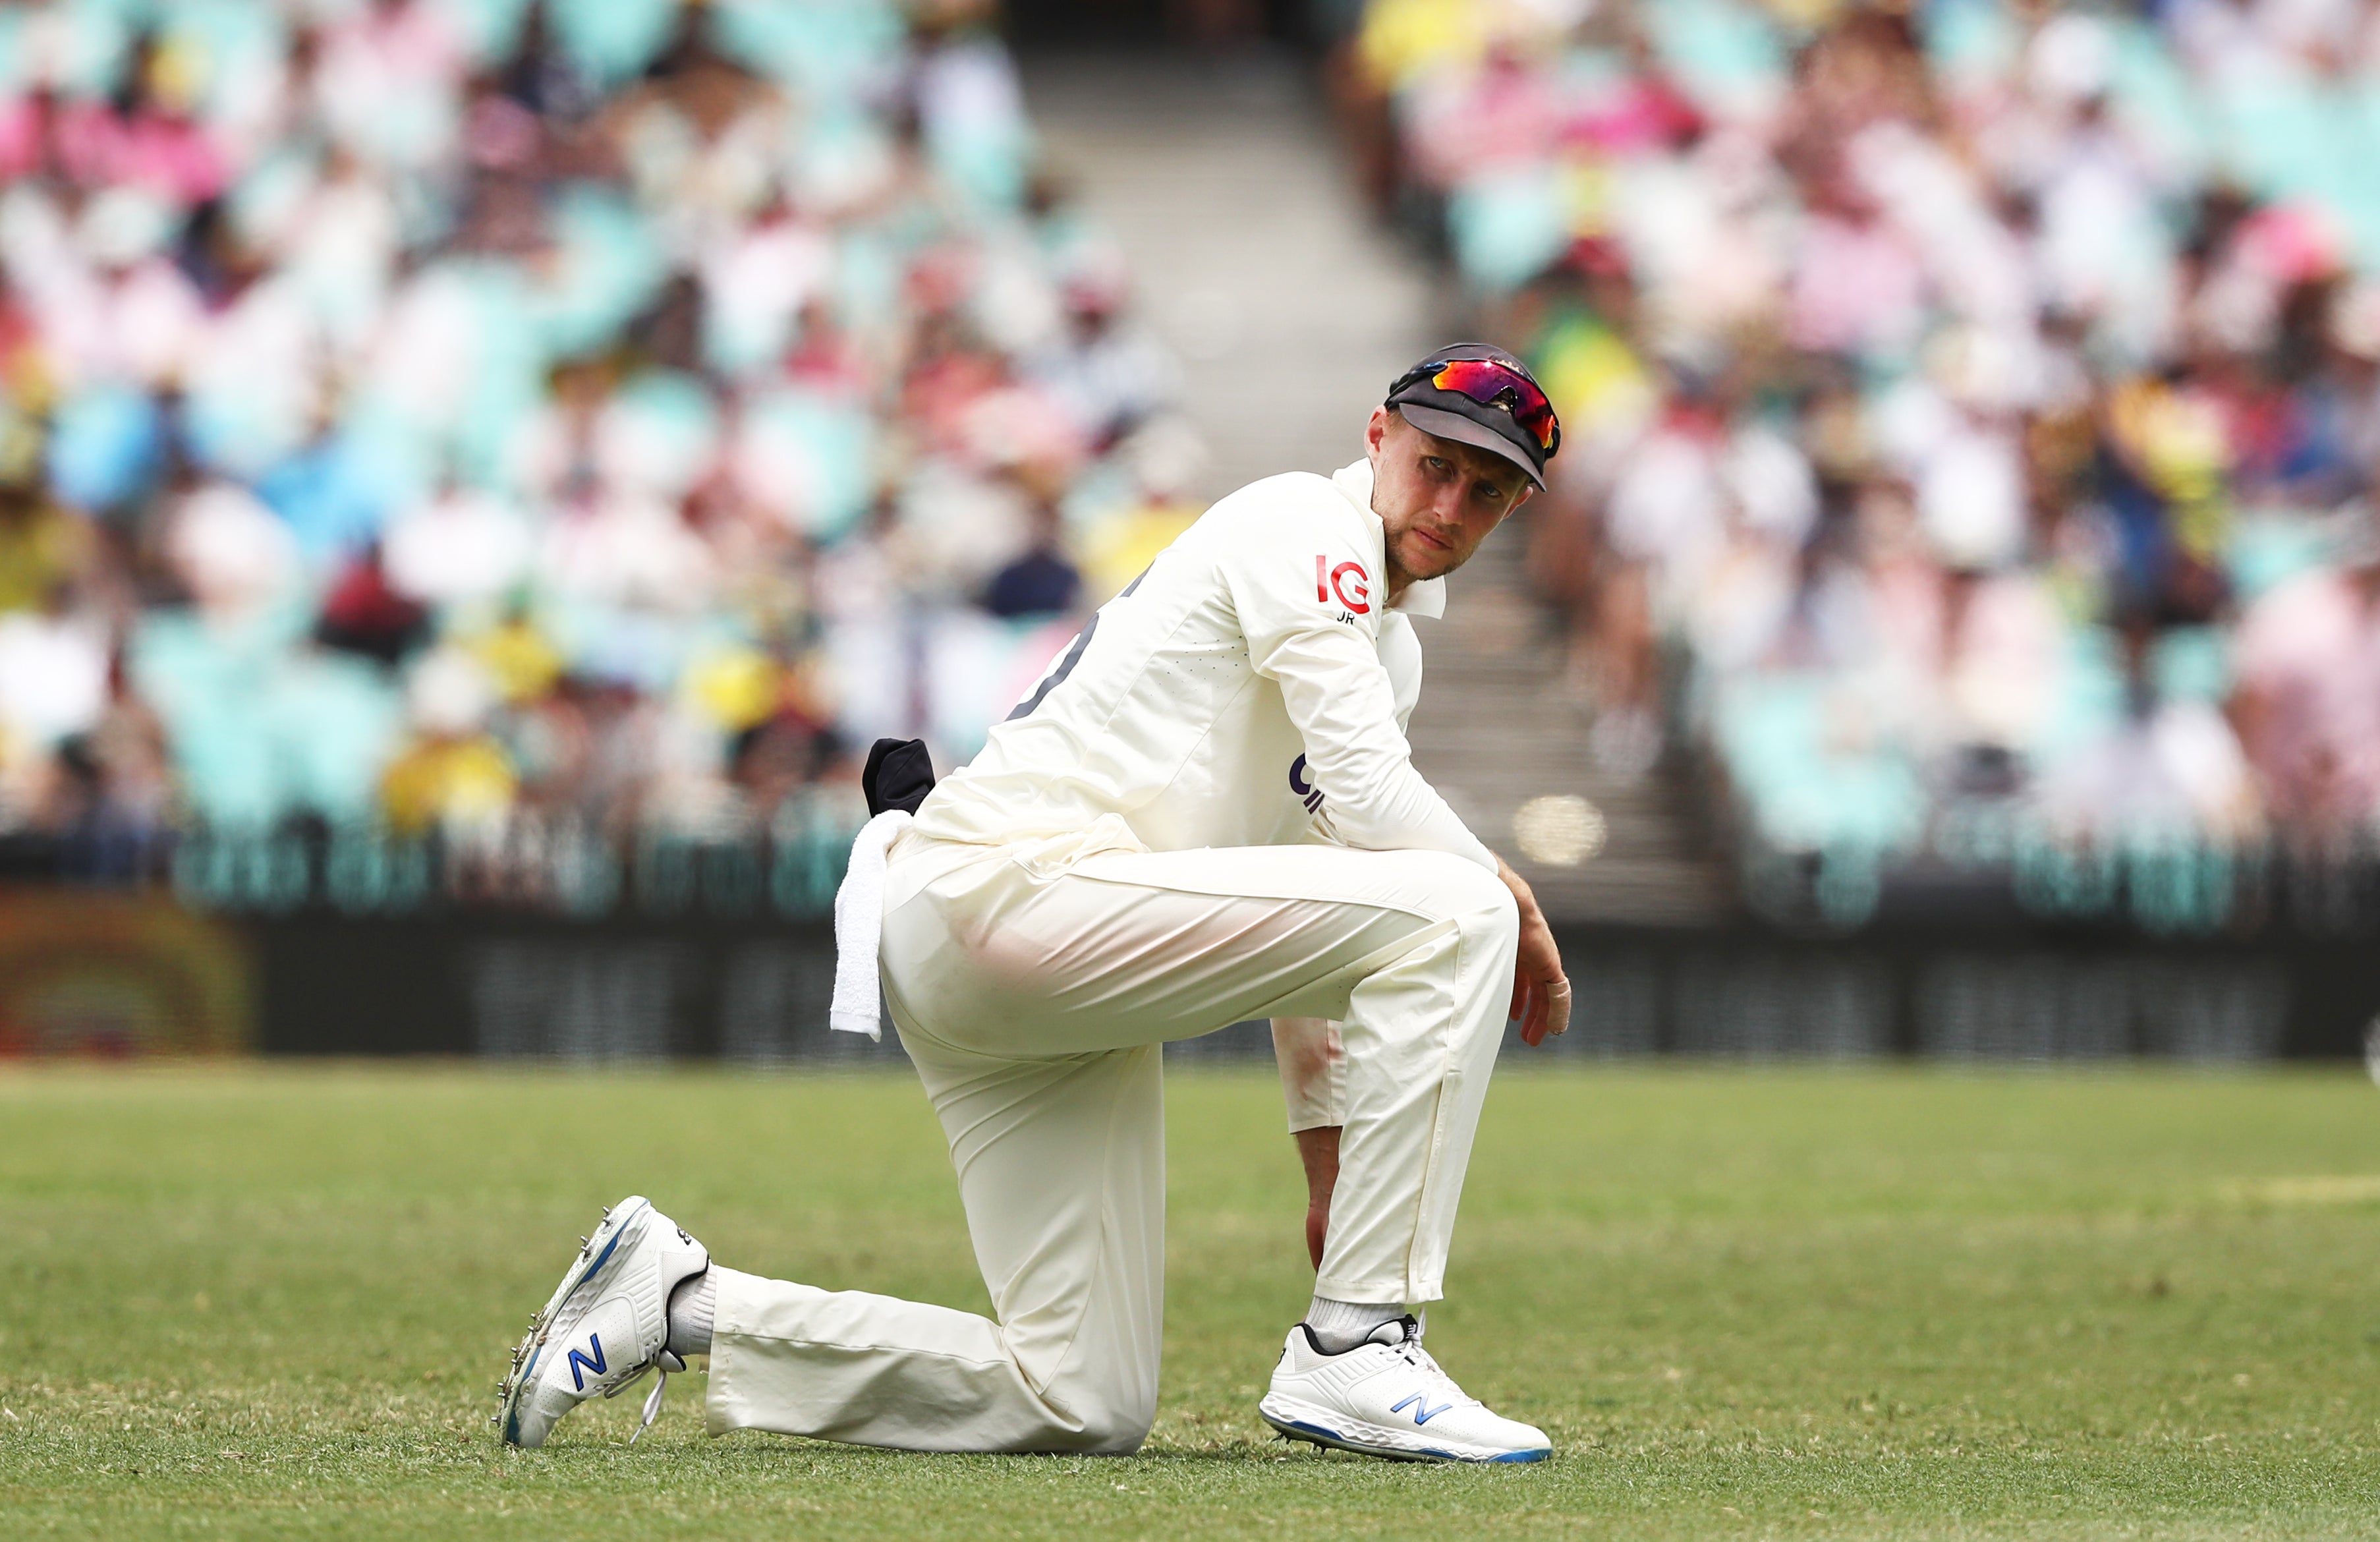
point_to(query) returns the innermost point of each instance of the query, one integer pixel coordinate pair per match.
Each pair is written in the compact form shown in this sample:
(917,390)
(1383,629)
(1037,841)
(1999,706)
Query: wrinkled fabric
(859,926)
(1248,689)
(1033,986)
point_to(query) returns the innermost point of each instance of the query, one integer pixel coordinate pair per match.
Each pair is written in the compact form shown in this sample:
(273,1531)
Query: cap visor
(1463,431)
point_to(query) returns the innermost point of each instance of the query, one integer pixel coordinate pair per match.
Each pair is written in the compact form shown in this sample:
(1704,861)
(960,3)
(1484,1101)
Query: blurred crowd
(1973,406)
(422,413)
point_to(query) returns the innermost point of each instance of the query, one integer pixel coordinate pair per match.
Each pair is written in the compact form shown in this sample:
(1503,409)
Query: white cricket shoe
(607,1324)
(1387,1396)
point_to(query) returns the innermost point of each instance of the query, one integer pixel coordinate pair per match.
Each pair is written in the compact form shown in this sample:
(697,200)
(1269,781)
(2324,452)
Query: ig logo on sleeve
(1347,582)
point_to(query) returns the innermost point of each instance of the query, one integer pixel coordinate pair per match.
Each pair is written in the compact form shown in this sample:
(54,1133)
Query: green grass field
(275,1300)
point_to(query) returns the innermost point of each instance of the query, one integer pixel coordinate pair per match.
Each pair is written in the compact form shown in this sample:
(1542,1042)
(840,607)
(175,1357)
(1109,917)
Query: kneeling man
(1206,811)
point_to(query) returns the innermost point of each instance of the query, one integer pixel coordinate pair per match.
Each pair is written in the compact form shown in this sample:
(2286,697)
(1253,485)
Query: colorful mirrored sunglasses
(1490,384)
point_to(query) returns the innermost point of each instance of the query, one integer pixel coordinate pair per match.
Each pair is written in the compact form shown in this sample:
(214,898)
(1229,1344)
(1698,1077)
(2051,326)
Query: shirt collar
(1424,596)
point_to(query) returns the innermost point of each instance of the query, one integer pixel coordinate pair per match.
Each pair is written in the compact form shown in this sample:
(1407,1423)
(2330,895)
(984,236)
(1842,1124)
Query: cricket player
(1206,811)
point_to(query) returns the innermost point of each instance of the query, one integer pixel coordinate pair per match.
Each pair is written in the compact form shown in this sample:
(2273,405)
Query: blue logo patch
(579,1362)
(1425,1413)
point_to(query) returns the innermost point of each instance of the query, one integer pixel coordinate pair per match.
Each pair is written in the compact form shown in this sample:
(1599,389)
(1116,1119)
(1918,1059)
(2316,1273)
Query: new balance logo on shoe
(579,1363)
(1424,1414)
(1343,1399)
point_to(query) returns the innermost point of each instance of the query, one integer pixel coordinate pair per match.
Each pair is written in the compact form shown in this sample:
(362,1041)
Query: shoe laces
(659,1365)
(1420,1359)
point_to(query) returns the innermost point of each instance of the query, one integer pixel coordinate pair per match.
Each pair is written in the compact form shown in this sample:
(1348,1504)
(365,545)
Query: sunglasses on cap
(1492,383)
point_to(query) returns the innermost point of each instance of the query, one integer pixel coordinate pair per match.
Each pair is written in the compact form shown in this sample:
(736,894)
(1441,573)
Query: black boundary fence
(515,987)
(557,944)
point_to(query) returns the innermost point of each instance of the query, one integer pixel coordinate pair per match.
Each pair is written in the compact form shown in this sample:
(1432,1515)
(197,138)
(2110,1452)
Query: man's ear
(1376,434)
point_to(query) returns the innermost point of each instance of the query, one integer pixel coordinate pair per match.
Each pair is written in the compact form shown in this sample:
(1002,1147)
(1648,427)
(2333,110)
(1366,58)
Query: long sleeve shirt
(1252,688)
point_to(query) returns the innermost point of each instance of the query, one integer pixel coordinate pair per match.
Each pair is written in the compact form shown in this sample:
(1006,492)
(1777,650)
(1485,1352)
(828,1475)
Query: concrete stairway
(1251,254)
(1495,728)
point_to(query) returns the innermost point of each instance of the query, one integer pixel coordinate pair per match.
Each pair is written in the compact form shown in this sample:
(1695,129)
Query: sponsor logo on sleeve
(1307,793)
(1348,582)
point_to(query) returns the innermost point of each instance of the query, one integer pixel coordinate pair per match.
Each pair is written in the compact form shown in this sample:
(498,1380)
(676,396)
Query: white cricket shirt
(1250,689)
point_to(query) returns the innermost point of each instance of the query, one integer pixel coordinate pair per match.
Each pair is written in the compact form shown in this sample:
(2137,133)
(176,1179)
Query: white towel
(859,927)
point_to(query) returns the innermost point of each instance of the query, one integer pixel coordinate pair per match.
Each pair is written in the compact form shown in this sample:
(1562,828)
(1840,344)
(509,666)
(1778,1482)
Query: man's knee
(1119,1435)
(1479,901)
(1114,1423)
(1103,1388)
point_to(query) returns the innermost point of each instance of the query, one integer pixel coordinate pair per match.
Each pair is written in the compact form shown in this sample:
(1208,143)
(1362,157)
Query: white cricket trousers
(1033,986)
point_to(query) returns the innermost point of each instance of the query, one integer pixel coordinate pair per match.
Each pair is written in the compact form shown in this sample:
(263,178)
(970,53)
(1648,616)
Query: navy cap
(1506,424)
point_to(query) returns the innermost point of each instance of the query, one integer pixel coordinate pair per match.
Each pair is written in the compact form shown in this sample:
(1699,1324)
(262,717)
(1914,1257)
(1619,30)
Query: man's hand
(1541,989)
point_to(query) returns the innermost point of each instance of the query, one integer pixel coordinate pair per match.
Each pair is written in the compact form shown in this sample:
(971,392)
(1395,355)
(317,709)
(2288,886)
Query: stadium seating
(1972,407)
(418,414)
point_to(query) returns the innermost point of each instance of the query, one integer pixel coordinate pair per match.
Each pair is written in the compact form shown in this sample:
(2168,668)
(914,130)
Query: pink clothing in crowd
(2309,662)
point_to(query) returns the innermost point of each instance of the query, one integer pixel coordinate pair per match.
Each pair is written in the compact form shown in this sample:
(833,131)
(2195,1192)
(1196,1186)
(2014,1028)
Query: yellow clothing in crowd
(447,781)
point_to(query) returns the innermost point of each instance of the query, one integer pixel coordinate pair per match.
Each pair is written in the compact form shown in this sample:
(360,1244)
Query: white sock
(1340,1326)
(691,1307)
